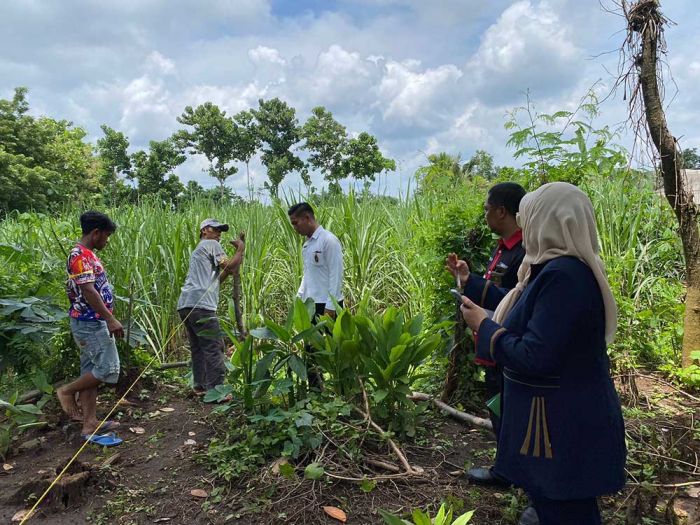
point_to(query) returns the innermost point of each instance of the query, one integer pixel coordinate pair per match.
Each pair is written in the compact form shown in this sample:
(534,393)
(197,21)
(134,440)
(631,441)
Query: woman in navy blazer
(562,436)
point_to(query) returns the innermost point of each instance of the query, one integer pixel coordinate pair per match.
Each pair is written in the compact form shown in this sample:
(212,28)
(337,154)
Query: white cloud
(528,43)
(421,76)
(339,76)
(412,96)
(159,64)
(262,54)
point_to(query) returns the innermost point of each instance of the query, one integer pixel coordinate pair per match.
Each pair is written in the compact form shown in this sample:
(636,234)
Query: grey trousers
(206,346)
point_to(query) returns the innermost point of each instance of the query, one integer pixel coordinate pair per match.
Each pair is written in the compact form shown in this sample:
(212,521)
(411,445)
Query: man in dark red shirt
(501,276)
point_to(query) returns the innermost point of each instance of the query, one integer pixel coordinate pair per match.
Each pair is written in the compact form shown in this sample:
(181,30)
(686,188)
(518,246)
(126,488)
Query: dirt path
(147,479)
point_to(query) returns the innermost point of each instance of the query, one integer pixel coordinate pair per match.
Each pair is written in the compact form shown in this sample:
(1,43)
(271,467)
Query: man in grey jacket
(199,298)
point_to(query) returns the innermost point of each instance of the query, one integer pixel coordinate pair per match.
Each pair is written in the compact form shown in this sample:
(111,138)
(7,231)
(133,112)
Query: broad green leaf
(218,393)
(380,395)
(391,519)
(262,367)
(464,518)
(302,320)
(304,420)
(314,471)
(306,334)
(30,409)
(280,331)
(441,515)
(421,518)
(287,471)
(298,366)
(368,485)
(397,352)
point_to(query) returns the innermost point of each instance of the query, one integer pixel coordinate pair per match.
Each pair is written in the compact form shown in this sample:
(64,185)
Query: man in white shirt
(323,266)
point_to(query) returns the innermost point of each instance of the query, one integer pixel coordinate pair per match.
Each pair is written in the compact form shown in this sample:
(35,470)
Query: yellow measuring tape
(87,441)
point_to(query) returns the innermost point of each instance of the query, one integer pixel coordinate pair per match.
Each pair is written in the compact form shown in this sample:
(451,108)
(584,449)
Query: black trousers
(315,375)
(206,346)
(493,376)
(572,512)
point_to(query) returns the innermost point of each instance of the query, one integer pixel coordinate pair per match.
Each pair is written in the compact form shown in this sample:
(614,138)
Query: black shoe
(485,476)
(529,517)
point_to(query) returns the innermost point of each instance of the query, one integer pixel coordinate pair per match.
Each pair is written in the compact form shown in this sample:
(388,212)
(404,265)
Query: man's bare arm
(94,299)
(229,265)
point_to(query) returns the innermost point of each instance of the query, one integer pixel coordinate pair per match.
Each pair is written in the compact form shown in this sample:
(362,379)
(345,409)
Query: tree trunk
(458,359)
(247,174)
(646,19)
(238,312)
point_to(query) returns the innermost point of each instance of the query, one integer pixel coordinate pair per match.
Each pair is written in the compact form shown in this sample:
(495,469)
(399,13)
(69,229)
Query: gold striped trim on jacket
(498,333)
(483,293)
(538,415)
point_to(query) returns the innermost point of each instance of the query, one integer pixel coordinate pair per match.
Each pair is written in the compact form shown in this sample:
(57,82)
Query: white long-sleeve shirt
(323,268)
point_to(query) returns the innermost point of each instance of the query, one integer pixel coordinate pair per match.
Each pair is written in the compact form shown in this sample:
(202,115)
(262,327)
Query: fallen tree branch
(663,485)
(470,419)
(176,364)
(670,385)
(373,478)
(383,464)
(399,454)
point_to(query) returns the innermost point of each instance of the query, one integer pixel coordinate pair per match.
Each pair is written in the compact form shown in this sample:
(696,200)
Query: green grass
(393,256)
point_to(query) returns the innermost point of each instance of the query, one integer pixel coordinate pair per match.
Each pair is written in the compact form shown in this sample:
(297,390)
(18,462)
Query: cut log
(176,364)
(470,419)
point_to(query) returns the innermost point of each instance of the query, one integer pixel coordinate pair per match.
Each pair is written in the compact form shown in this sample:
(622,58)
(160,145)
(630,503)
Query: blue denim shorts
(98,351)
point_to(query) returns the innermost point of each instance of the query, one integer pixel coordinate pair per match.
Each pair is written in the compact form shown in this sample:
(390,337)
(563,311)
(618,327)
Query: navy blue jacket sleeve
(562,299)
(483,292)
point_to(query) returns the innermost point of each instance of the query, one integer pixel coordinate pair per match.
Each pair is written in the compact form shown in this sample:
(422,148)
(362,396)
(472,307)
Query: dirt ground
(149,478)
(146,478)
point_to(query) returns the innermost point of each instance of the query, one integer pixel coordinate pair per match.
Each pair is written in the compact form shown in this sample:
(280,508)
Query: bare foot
(79,417)
(95,426)
(68,404)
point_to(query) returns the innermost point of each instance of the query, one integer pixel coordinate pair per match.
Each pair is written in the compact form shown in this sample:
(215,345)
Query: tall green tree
(112,151)
(154,170)
(691,159)
(363,160)
(247,142)
(442,173)
(213,135)
(480,165)
(326,140)
(44,163)
(278,130)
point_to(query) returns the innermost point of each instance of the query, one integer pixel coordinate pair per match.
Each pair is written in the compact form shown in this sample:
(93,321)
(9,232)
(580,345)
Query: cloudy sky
(422,76)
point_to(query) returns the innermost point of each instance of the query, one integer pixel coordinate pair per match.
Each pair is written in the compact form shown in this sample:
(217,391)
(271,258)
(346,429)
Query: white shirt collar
(317,232)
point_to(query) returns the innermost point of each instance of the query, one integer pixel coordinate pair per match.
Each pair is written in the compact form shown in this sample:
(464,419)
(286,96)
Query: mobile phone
(458,295)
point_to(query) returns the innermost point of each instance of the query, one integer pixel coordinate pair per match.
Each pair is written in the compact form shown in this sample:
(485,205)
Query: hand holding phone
(457,295)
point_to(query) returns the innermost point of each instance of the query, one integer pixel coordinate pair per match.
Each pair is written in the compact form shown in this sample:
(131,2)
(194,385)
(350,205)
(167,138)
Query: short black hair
(508,195)
(301,207)
(94,220)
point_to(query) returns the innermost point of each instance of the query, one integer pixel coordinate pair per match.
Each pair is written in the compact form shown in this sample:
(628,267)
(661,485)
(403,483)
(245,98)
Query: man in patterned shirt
(92,323)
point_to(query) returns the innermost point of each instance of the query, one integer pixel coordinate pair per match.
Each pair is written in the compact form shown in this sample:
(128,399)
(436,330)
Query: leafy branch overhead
(47,163)
(336,155)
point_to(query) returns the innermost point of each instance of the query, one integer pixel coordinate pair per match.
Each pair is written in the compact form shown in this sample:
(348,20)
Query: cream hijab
(557,219)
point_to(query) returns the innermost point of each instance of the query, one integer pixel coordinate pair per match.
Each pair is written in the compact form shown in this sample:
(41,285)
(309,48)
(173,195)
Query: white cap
(214,224)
